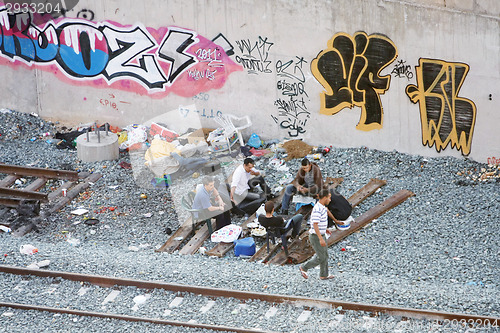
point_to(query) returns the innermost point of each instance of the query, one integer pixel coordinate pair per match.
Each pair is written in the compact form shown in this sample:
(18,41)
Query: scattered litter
(140,300)
(125,165)
(202,250)
(80,211)
(111,297)
(133,248)
(91,221)
(28,249)
(73,241)
(148,215)
(38,265)
(7,314)
(5,229)
(259,231)
(113,187)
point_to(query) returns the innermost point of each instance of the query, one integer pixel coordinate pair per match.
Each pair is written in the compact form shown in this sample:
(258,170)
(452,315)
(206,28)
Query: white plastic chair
(226,122)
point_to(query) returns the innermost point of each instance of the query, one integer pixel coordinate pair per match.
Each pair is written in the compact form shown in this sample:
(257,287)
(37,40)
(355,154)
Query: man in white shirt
(317,232)
(246,177)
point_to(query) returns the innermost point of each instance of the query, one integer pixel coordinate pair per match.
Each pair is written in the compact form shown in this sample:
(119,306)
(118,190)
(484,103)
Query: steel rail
(247,295)
(14,193)
(38,172)
(131,318)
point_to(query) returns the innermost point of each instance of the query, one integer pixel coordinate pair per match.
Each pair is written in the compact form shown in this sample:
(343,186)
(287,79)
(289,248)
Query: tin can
(64,192)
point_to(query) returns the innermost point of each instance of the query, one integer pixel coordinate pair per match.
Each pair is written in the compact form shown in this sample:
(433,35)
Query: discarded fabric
(227,234)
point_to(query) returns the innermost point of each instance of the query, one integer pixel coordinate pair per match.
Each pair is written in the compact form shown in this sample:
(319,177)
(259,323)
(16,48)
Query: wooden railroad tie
(75,182)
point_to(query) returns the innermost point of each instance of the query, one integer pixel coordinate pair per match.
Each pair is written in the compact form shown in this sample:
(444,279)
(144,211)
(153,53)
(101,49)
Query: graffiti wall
(132,58)
(415,81)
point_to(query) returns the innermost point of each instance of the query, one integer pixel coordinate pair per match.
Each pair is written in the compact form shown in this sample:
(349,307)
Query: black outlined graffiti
(172,50)
(131,58)
(254,57)
(295,113)
(402,70)
(128,46)
(292,110)
(86,14)
(222,41)
(445,117)
(349,69)
(295,72)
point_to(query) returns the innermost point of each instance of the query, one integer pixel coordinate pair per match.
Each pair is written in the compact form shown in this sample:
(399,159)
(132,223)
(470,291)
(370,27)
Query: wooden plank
(8,202)
(354,200)
(221,248)
(36,184)
(197,240)
(7,181)
(38,172)
(15,193)
(366,191)
(73,193)
(359,222)
(178,237)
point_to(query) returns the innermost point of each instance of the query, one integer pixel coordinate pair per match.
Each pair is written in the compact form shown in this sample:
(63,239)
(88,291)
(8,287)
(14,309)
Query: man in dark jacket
(269,220)
(308,181)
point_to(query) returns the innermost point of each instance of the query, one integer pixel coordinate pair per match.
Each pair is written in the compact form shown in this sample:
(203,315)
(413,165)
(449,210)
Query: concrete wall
(420,77)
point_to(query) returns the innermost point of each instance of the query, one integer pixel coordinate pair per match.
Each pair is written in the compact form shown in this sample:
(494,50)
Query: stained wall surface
(420,77)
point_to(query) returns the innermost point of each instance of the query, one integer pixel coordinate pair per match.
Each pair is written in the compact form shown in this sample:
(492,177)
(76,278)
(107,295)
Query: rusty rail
(74,184)
(131,318)
(300,256)
(38,172)
(247,295)
(301,245)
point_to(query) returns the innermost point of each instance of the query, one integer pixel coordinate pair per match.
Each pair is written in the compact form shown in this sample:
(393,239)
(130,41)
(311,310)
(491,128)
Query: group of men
(331,208)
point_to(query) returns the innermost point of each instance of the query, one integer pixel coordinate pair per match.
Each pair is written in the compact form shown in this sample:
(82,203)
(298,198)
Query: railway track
(65,186)
(188,241)
(224,310)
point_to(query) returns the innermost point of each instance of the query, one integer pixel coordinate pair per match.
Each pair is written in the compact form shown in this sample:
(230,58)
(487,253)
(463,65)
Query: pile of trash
(489,174)
(16,125)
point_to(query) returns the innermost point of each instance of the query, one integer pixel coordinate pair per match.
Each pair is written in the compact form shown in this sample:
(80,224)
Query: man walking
(317,232)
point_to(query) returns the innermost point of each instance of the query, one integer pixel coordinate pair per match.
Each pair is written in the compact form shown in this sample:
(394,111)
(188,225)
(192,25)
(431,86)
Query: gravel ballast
(438,250)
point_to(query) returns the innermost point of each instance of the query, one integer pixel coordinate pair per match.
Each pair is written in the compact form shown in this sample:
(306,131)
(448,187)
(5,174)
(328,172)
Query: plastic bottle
(28,249)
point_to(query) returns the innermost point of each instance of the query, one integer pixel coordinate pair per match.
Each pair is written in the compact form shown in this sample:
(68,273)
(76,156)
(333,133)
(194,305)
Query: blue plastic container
(244,246)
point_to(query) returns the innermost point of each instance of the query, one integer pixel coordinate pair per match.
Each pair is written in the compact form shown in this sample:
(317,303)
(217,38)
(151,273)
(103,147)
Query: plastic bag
(254,141)
(28,249)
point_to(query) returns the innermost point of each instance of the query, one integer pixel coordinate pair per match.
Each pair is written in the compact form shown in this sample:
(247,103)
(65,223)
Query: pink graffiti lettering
(146,61)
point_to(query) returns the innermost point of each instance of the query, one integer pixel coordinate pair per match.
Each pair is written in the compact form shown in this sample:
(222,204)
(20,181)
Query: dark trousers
(250,202)
(222,220)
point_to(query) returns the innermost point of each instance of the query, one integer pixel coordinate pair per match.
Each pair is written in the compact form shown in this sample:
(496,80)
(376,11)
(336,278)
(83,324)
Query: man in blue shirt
(209,200)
